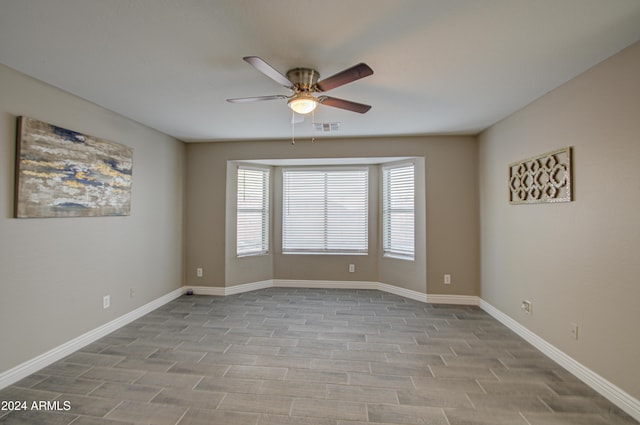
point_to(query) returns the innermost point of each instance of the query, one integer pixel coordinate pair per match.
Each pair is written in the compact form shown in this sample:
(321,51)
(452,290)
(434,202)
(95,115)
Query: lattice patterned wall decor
(544,178)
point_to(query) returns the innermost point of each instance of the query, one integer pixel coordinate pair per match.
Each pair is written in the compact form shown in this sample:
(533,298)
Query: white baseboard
(407,293)
(453,299)
(334,284)
(222,291)
(605,388)
(25,369)
(254,286)
(297,283)
(329,284)
(217,291)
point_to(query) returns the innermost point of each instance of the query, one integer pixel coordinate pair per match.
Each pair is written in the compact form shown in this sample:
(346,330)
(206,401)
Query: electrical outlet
(352,268)
(447,279)
(573,328)
(526,306)
(106,301)
(199,272)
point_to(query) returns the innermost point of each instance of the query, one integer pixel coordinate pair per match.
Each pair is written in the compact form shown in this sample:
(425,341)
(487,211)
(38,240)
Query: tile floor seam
(183,415)
(95,389)
(545,404)
(444,415)
(524,418)
(477,381)
(224,396)
(112,409)
(495,374)
(443,361)
(433,375)
(473,406)
(196,384)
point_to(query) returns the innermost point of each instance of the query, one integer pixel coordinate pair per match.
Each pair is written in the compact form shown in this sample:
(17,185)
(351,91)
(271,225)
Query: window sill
(256,254)
(325,253)
(400,257)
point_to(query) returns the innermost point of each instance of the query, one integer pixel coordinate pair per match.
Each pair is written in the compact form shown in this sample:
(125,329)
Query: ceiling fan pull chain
(313,122)
(293,129)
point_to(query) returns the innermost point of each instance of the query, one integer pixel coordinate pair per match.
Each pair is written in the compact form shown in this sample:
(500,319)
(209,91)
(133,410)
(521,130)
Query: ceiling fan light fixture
(302,103)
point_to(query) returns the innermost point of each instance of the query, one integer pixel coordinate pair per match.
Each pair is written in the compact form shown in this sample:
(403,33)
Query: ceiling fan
(304,83)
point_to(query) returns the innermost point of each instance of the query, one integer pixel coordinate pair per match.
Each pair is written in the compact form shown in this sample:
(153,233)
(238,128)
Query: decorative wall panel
(62,173)
(545,178)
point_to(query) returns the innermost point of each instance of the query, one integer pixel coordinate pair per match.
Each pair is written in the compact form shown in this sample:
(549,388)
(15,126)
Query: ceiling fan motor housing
(303,79)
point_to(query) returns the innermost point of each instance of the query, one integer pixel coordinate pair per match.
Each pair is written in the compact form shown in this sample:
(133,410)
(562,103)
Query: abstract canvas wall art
(544,178)
(63,173)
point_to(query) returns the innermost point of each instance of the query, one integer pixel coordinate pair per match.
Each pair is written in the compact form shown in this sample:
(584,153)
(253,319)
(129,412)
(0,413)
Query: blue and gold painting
(63,173)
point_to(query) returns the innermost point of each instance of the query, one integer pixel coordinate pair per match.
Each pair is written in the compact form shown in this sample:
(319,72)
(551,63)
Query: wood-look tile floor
(284,356)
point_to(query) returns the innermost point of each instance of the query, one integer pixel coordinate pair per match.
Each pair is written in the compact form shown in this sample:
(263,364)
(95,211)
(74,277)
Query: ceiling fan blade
(354,73)
(268,70)
(256,99)
(360,108)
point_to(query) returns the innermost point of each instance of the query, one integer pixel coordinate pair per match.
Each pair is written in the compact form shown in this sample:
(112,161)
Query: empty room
(291,212)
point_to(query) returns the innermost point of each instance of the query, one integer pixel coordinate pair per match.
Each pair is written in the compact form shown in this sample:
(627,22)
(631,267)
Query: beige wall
(54,272)
(449,190)
(577,262)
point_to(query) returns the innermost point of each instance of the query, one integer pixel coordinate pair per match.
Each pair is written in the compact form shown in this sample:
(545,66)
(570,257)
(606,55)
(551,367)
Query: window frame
(388,250)
(265,211)
(364,247)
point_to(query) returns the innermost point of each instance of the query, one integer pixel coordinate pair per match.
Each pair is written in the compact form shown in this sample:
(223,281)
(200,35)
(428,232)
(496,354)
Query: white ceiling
(441,66)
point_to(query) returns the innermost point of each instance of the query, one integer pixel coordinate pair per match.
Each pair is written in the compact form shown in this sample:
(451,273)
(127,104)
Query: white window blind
(252,226)
(398,211)
(325,211)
